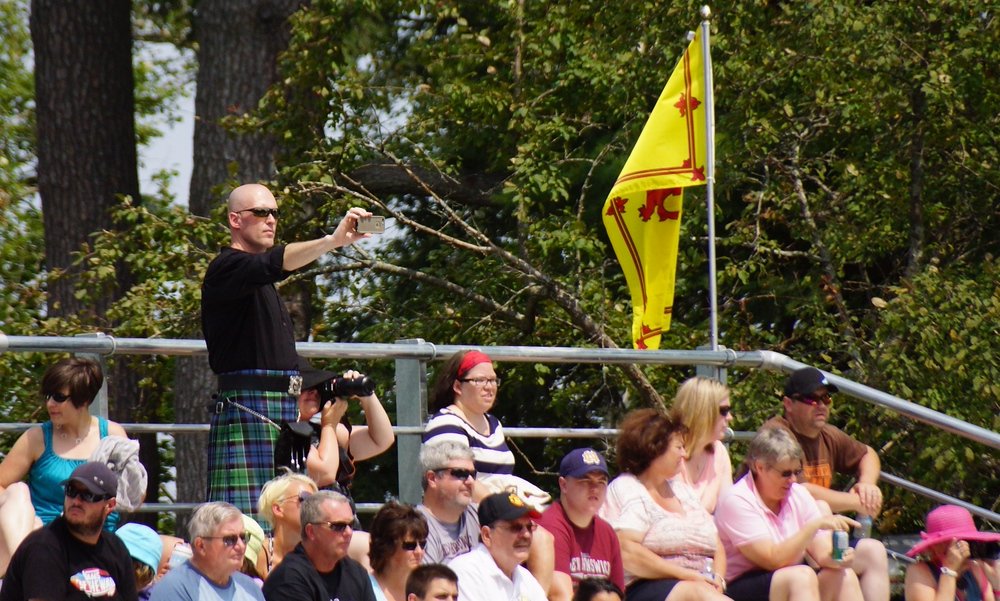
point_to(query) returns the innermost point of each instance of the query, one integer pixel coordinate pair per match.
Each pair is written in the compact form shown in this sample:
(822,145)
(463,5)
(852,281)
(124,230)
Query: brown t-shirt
(832,452)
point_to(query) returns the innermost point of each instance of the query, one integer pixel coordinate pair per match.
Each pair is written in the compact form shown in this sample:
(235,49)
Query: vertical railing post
(100,405)
(411,410)
(711,371)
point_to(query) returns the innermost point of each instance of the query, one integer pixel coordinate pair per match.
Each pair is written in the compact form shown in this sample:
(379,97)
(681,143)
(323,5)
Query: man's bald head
(252,232)
(249,196)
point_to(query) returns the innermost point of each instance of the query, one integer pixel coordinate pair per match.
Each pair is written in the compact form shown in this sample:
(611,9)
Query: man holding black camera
(251,346)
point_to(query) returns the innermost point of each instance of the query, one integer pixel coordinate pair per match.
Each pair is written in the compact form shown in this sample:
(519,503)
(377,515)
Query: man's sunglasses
(517,528)
(824,398)
(56,396)
(86,496)
(260,212)
(335,526)
(458,473)
(230,540)
(411,545)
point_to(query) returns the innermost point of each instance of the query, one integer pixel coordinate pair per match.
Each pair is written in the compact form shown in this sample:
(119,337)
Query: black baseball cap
(312,377)
(503,506)
(805,381)
(96,478)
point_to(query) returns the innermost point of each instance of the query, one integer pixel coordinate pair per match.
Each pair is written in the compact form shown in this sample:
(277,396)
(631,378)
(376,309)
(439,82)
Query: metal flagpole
(706,13)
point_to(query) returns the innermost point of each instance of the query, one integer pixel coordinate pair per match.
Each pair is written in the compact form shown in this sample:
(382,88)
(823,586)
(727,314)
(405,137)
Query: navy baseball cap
(580,462)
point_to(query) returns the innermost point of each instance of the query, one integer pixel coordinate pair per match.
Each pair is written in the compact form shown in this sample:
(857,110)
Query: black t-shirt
(53,565)
(295,579)
(246,325)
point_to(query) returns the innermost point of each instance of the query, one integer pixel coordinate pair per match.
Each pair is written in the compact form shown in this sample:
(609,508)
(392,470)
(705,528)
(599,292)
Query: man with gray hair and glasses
(218,542)
(452,523)
(319,568)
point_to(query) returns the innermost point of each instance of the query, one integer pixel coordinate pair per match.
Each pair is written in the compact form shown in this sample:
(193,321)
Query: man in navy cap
(73,557)
(829,451)
(585,545)
(492,571)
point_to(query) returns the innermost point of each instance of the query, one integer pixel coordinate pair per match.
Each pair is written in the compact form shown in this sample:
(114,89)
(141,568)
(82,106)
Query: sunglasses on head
(824,398)
(260,212)
(725,411)
(458,473)
(86,496)
(411,545)
(335,526)
(230,540)
(56,396)
(301,496)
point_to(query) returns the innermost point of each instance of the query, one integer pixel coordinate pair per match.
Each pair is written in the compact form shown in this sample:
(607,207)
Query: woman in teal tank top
(47,454)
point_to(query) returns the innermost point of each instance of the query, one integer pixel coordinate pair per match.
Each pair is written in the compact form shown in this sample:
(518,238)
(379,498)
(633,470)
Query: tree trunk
(86,131)
(84,92)
(238,46)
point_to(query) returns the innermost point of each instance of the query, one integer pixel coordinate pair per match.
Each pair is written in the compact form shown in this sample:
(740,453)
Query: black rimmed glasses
(457,473)
(814,400)
(334,526)
(481,382)
(261,212)
(86,496)
(411,545)
(230,540)
(56,396)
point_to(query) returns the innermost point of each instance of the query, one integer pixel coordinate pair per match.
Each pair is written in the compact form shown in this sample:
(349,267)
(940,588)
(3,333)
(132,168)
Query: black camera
(984,550)
(345,387)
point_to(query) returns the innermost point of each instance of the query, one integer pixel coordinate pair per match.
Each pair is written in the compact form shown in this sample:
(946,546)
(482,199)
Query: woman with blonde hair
(279,504)
(702,406)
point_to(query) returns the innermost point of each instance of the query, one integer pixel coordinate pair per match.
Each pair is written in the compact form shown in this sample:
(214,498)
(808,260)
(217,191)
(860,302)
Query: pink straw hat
(949,522)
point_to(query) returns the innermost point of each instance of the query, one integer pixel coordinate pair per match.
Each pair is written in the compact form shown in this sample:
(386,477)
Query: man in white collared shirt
(492,571)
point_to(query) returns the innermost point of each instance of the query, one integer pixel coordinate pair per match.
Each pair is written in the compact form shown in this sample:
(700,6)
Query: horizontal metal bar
(189,507)
(940,497)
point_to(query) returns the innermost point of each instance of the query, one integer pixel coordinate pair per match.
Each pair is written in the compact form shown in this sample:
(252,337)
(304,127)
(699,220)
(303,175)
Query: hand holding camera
(351,385)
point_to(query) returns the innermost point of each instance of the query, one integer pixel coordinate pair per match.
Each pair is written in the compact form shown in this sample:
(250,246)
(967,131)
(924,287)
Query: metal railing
(411,359)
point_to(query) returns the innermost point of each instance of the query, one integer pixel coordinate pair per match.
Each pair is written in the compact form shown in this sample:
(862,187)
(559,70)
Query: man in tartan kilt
(251,345)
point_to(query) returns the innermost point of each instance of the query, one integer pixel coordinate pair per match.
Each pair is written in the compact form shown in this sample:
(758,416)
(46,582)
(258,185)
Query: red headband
(470,360)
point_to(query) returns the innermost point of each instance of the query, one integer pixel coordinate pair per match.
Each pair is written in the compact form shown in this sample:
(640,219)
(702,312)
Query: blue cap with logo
(580,462)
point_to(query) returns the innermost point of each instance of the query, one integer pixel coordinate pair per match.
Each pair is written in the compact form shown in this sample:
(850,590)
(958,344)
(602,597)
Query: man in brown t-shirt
(829,451)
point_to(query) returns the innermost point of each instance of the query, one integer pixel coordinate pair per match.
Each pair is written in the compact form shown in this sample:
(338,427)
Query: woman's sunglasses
(411,545)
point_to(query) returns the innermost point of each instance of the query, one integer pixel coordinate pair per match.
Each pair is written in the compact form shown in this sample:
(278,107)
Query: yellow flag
(643,211)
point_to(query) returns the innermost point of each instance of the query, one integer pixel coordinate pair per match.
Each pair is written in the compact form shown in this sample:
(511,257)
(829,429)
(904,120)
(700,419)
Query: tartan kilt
(241,445)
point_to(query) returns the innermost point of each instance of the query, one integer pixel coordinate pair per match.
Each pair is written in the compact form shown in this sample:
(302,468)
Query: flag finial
(706,12)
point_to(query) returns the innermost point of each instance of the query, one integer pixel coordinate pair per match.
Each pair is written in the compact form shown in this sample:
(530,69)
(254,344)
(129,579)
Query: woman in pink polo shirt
(770,527)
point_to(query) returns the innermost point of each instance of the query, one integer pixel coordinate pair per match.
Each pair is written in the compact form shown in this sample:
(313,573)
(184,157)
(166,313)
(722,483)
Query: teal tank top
(47,475)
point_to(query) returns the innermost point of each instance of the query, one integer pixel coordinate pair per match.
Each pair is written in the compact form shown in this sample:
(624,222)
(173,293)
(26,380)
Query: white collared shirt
(480,579)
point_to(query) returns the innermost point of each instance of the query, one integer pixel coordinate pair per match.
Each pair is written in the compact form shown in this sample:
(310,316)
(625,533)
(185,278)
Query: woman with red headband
(462,396)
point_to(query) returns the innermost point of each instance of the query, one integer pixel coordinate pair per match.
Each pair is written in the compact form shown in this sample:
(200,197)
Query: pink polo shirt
(742,517)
